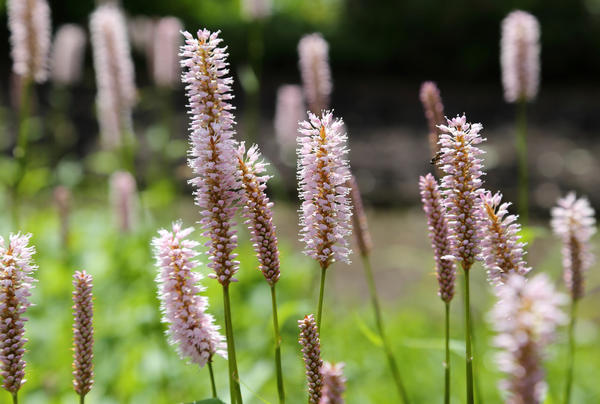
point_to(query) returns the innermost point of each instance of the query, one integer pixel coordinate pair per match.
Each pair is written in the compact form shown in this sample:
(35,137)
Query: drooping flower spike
(525,317)
(574,222)
(434,112)
(520,56)
(501,248)
(311,353)
(115,74)
(438,233)
(313,52)
(257,211)
(30,26)
(323,172)
(67,54)
(213,156)
(16,282)
(334,383)
(184,310)
(83,333)
(461,186)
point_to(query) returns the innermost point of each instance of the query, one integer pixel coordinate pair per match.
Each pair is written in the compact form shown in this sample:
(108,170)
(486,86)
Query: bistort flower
(184,310)
(438,233)
(323,172)
(334,383)
(167,40)
(313,52)
(574,222)
(289,110)
(501,248)
(311,353)
(434,112)
(123,196)
(83,333)
(67,54)
(525,318)
(213,155)
(359,219)
(520,56)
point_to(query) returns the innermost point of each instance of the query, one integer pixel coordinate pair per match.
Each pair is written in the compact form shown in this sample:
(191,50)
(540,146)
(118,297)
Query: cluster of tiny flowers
(167,40)
(313,52)
(438,233)
(256,9)
(311,353)
(520,56)
(213,154)
(574,222)
(434,112)
(16,282)
(83,333)
(359,219)
(184,310)
(123,197)
(323,172)
(500,246)
(115,75)
(67,54)
(334,383)
(29,24)
(460,161)
(525,317)
(289,110)
(257,211)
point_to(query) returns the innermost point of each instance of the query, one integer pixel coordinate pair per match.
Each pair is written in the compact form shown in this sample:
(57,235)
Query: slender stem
(212,379)
(447,361)
(522,156)
(15,397)
(380,328)
(82,399)
(469,355)
(321,291)
(234,382)
(280,388)
(571,358)
(20,150)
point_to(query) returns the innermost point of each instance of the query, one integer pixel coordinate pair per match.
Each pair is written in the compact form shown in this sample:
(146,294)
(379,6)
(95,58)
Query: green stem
(447,361)
(469,355)
(380,328)
(522,156)
(321,291)
(20,150)
(212,379)
(280,388)
(234,382)
(571,358)
(15,397)
(82,399)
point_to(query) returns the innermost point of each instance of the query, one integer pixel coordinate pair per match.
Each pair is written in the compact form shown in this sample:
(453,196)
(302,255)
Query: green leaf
(371,336)
(208,401)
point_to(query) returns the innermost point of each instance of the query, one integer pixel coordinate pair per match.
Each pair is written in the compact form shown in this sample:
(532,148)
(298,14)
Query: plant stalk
(20,150)
(380,328)
(280,389)
(15,397)
(447,361)
(321,292)
(82,399)
(213,387)
(234,382)
(571,357)
(469,355)
(522,156)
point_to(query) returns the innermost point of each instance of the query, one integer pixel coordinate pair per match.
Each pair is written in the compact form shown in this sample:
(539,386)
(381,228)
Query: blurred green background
(380,52)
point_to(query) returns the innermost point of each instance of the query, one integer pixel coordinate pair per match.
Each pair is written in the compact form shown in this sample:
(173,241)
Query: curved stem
(380,328)
(469,355)
(321,292)
(571,357)
(280,389)
(234,383)
(522,156)
(212,379)
(447,361)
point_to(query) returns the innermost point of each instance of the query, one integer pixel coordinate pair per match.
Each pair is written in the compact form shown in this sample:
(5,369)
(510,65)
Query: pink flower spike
(213,156)
(434,112)
(438,233)
(323,172)
(83,333)
(311,353)
(313,52)
(167,40)
(289,110)
(520,56)
(459,160)
(257,211)
(334,383)
(67,54)
(184,310)
(573,220)
(525,317)
(501,249)
(30,27)
(16,282)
